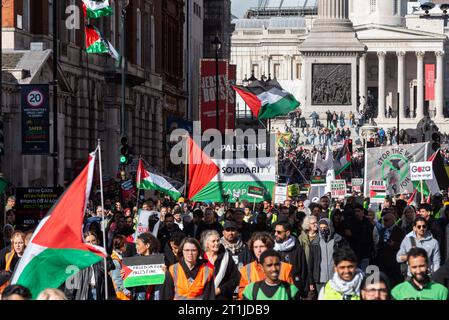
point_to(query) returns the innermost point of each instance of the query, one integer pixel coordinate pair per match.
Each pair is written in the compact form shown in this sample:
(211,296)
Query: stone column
(439,87)
(333,9)
(420,89)
(287,67)
(266,65)
(381,104)
(362,81)
(401,83)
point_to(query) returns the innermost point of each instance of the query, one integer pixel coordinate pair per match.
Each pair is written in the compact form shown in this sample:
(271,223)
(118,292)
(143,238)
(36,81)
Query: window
(298,71)
(276,69)
(255,68)
(372,5)
(395,7)
(139,38)
(26,15)
(50,16)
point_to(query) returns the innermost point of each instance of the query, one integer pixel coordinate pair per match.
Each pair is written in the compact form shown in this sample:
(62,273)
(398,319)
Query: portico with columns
(395,65)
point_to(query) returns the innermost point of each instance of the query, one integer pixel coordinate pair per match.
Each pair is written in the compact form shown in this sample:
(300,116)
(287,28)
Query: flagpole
(138,189)
(185,169)
(422,194)
(102,217)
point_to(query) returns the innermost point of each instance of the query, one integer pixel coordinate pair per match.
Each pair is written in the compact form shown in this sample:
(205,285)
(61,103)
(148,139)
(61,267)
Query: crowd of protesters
(299,250)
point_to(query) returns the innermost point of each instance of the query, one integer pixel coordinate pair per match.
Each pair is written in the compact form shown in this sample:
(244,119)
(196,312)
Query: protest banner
(280,194)
(143,222)
(357,184)
(377,191)
(33,204)
(143,270)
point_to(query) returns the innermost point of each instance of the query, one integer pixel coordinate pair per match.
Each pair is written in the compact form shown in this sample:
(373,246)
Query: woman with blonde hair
(17,249)
(227,276)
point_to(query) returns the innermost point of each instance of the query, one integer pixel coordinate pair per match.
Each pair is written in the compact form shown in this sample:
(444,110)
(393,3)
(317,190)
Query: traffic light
(124,151)
(436,141)
(2,139)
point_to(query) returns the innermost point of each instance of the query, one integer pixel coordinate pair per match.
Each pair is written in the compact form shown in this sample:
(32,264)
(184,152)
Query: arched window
(139,38)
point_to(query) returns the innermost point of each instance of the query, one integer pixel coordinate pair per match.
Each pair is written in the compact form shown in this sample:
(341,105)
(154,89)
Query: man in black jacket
(191,229)
(390,239)
(291,252)
(359,233)
(166,232)
(209,223)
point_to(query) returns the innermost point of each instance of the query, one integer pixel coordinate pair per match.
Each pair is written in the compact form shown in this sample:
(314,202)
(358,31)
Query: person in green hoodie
(272,288)
(420,286)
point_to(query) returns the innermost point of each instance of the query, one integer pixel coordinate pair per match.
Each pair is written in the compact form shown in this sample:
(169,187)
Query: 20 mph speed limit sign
(35,98)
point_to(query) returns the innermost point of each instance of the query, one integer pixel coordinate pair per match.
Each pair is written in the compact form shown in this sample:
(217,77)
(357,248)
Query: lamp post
(124,4)
(55,94)
(216,45)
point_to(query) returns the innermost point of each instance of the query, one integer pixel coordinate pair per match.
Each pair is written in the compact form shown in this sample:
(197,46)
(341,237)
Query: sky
(239,7)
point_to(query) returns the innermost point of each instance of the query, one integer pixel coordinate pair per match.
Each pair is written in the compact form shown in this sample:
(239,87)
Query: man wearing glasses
(421,238)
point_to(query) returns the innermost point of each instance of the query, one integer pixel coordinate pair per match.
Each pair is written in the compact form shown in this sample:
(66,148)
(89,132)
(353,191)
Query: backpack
(286,286)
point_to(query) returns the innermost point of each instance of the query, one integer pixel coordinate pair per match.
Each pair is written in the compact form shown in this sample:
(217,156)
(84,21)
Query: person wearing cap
(232,242)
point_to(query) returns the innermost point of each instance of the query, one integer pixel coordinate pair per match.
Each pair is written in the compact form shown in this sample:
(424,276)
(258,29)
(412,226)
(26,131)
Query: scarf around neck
(286,245)
(347,287)
(232,247)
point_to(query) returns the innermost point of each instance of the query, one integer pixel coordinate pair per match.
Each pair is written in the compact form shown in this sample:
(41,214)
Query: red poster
(430,82)
(208,109)
(232,76)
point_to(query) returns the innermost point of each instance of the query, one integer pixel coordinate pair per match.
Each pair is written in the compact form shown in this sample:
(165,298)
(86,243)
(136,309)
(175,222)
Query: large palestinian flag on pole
(96,43)
(210,179)
(150,181)
(57,243)
(267,101)
(94,9)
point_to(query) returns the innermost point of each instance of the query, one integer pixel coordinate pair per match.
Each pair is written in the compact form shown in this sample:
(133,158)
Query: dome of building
(383,12)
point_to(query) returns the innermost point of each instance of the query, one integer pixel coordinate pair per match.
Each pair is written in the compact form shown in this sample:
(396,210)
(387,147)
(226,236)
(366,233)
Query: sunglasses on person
(421,226)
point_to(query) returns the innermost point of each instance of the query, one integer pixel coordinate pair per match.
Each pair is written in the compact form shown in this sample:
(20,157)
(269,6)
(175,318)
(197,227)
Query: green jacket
(281,293)
(305,244)
(408,291)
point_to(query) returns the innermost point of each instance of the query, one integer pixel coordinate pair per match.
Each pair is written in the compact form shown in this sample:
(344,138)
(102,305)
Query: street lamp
(216,44)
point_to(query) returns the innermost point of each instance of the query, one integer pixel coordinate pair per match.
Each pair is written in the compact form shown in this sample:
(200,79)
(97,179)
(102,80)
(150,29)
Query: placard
(338,188)
(255,192)
(421,171)
(143,270)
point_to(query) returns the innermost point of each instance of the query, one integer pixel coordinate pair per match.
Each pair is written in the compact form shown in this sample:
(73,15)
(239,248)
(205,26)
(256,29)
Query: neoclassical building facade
(353,55)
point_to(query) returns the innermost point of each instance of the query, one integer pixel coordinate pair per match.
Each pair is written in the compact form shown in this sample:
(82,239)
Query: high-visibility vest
(8,258)
(252,272)
(184,290)
(332,294)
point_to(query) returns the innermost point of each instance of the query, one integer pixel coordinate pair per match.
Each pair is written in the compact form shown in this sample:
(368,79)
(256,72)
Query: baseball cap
(230,224)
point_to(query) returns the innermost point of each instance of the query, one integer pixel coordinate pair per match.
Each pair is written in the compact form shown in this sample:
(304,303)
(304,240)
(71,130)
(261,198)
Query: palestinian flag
(150,181)
(95,43)
(94,9)
(57,244)
(210,179)
(267,101)
(440,179)
(343,159)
